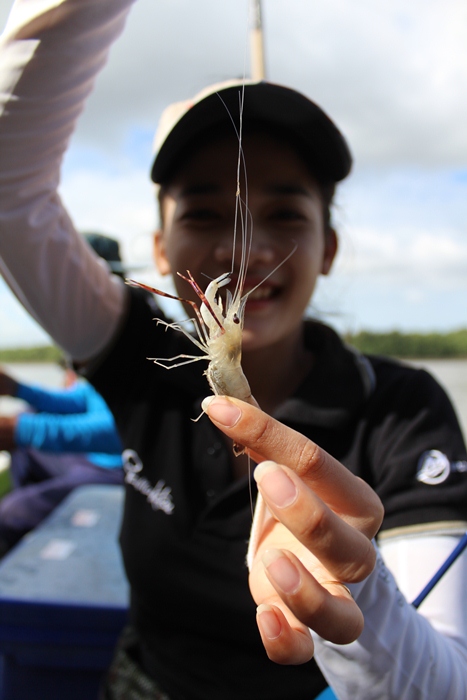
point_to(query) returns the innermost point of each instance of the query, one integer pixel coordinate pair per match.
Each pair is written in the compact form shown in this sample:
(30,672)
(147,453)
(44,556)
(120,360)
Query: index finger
(268,439)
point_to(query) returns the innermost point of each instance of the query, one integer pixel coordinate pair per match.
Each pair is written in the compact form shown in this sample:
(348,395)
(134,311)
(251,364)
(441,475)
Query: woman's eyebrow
(200,188)
(290,189)
(284,189)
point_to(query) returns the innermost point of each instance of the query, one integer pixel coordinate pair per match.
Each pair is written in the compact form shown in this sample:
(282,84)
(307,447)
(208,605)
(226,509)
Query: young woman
(348,431)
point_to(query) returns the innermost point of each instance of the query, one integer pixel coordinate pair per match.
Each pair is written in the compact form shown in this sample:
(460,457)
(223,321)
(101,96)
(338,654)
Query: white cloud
(435,258)
(393,75)
(120,203)
(410,280)
(4,11)
(18,328)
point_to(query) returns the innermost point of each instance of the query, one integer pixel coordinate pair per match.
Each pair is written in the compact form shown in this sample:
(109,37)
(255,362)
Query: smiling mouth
(264,293)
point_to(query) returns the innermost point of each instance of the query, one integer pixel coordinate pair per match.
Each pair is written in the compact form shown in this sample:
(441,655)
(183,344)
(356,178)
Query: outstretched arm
(50,53)
(81,432)
(59,428)
(315,537)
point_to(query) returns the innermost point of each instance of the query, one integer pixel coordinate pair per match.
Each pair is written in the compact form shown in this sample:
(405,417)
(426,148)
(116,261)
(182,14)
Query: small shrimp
(219,336)
(219,333)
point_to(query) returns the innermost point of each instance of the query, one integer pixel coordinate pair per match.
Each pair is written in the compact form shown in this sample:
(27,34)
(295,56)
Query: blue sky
(394,78)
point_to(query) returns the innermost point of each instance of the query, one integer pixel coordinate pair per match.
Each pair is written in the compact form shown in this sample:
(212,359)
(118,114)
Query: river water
(43,373)
(452,374)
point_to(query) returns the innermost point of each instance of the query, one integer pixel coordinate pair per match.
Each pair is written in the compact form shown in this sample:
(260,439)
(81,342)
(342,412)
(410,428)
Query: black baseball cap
(107,248)
(285,110)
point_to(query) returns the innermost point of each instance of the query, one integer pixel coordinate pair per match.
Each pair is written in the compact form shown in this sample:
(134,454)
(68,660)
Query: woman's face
(286,211)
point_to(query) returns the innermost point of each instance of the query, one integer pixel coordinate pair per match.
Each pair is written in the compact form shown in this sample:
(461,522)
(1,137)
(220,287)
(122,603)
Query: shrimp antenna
(239,210)
(153,290)
(273,271)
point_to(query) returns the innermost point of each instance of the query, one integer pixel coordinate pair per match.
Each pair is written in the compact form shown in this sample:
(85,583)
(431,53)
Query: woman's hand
(314,539)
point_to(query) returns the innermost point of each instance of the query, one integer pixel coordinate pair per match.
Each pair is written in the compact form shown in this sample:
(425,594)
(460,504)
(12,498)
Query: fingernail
(283,572)
(221,410)
(275,484)
(268,622)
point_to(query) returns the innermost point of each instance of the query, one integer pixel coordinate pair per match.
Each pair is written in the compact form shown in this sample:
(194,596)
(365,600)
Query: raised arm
(50,53)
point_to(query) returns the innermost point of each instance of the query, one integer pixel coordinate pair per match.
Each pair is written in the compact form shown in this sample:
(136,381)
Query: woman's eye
(287,215)
(201,215)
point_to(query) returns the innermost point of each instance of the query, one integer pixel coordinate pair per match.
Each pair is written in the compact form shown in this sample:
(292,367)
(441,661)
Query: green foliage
(411,345)
(6,483)
(393,344)
(43,353)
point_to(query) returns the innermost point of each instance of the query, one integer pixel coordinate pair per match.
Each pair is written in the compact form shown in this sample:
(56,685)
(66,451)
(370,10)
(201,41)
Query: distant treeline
(395,344)
(411,345)
(42,353)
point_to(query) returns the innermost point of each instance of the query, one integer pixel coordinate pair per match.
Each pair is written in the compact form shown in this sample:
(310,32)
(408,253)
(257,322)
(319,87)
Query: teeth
(261,293)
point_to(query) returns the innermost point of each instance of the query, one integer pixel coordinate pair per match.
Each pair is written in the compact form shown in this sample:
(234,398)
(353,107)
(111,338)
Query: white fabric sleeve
(402,653)
(50,53)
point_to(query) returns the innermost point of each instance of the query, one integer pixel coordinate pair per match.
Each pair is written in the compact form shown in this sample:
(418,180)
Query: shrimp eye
(235,319)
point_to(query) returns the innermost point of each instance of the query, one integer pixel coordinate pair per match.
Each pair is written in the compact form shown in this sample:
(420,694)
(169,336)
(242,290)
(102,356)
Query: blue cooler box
(63,600)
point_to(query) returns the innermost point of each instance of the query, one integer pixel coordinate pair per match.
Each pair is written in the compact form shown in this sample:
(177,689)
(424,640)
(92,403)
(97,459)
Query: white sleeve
(50,53)
(402,653)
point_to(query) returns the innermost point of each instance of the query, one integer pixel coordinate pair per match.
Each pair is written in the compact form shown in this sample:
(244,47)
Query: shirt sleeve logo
(433,467)
(159,496)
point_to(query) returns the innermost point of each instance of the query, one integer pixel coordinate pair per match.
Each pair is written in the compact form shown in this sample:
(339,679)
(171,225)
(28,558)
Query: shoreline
(450,373)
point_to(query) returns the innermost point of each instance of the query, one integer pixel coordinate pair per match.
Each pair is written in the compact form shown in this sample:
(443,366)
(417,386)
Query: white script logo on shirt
(159,496)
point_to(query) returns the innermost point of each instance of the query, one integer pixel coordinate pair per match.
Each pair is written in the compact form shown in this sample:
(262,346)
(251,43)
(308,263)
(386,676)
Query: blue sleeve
(93,430)
(71,400)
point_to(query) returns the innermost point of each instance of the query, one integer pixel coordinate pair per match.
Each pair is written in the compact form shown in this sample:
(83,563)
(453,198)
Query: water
(452,374)
(43,373)
(50,375)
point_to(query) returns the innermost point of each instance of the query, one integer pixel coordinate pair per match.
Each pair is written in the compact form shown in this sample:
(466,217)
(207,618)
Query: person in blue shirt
(67,439)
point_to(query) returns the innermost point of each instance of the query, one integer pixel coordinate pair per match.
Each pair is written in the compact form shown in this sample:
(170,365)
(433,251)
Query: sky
(393,76)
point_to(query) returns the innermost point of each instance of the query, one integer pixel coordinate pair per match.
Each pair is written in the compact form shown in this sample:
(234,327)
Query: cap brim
(282,108)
